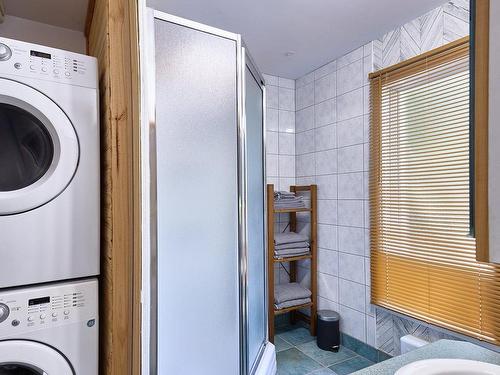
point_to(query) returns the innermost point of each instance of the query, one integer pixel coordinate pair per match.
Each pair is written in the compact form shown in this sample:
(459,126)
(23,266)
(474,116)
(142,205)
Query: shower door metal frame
(149,181)
(248,62)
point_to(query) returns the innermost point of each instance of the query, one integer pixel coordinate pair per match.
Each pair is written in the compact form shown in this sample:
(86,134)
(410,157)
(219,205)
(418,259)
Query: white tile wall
(280,145)
(330,134)
(325,88)
(286,122)
(286,99)
(350,104)
(350,132)
(326,162)
(353,322)
(350,185)
(350,159)
(272,119)
(350,77)
(328,262)
(327,237)
(305,119)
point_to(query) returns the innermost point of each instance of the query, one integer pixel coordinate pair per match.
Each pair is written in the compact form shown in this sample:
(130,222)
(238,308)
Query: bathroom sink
(449,367)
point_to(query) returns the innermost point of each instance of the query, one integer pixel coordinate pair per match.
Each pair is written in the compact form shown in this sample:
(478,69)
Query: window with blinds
(423,259)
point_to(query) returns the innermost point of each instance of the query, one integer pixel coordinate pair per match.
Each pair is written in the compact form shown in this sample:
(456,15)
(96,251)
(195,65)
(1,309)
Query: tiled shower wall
(331,147)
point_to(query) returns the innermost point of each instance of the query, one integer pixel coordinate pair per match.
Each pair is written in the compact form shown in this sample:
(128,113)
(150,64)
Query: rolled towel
(295,302)
(294,245)
(290,292)
(289,237)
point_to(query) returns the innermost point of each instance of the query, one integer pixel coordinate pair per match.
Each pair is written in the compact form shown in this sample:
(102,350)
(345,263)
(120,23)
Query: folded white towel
(287,200)
(290,292)
(295,302)
(289,237)
(293,245)
(291,206)
(289,252)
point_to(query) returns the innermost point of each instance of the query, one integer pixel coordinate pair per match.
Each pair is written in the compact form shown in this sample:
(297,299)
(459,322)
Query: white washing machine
(50,329)
(49,164)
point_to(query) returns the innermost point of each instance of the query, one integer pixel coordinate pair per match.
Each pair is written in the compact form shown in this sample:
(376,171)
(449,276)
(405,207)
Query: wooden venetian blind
(423,260)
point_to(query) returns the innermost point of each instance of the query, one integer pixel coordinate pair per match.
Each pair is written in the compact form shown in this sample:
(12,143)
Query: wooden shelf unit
(313,256)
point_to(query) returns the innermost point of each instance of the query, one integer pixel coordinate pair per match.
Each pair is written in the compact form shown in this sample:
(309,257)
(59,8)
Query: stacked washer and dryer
(49,211)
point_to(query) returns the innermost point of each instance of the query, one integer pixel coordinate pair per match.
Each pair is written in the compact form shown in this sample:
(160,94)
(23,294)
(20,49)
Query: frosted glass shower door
(256,257)
(198,321)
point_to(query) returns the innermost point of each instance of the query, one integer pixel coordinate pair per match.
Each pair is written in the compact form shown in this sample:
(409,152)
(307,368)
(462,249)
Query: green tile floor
(298,354)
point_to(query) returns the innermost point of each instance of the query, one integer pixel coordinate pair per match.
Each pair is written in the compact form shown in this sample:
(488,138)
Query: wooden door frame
(113,37)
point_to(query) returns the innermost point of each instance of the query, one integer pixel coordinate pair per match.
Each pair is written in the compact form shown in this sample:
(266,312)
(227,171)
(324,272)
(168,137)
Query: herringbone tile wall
(435,28)
(391,327)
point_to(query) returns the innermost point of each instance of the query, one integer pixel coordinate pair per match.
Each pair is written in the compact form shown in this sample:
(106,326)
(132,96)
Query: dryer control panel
(35,61)
(41,307)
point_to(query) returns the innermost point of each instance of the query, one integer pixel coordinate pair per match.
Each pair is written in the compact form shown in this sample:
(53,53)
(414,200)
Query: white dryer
(50,330)
(49,164)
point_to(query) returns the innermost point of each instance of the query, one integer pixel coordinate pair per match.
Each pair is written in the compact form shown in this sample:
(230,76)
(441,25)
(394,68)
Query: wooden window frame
(479,118)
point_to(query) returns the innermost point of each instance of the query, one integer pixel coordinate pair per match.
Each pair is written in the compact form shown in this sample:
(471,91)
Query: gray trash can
(328,330)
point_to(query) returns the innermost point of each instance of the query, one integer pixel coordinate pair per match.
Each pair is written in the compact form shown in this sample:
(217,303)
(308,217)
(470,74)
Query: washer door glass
(26,148)
(15,369)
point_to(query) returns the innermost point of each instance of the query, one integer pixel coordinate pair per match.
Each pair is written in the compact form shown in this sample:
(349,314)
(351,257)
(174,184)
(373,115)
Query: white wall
(41,33)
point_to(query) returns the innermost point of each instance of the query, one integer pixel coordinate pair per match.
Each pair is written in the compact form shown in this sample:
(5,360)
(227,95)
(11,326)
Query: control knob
(4,312)
(5,52)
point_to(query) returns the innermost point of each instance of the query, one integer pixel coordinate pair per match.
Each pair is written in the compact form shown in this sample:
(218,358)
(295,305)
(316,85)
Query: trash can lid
(328,315)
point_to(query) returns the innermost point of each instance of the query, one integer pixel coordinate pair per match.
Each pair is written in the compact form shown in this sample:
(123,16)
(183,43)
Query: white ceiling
(70,14)
(318,31)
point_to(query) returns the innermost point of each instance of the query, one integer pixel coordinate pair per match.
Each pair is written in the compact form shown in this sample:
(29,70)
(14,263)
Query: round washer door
(20,357)
(38,148)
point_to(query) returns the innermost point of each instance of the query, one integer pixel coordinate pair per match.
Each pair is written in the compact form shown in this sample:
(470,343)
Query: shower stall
(203,177)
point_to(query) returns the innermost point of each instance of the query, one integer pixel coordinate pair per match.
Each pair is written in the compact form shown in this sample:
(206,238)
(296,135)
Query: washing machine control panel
(32,60)
(34,308)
